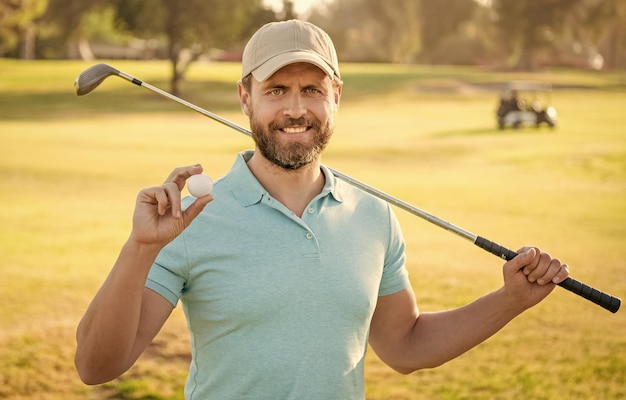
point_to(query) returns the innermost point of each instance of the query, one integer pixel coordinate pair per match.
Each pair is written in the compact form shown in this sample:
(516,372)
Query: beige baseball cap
(278,44)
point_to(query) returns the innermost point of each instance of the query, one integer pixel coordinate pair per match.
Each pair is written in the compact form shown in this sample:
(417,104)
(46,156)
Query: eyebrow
(269,85)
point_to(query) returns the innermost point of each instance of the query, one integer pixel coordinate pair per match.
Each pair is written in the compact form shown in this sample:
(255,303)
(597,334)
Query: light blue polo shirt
(278,306)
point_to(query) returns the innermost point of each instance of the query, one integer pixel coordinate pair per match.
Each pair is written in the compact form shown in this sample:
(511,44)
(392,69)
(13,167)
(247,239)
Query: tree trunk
(175,77)
(27,37)
(526,60)
(613,54)
(174,42)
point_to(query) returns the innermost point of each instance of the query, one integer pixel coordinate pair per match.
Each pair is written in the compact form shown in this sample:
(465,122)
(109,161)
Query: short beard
(294,155)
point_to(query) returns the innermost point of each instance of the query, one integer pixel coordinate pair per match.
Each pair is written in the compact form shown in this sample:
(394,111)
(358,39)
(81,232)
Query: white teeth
(295,130)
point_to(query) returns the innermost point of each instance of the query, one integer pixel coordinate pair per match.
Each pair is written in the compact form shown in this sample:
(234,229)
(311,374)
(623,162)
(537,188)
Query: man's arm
(407,340)
(124,316)
(122,319)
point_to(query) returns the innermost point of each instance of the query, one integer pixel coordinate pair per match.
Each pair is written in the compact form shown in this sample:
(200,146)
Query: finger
(542,267)
(195,208)
(533,261)
(180,175)
(517,264)
(526,257)
(147,196)
(553,268)
(524,249)
(561,275)
(162,200)
(173,200)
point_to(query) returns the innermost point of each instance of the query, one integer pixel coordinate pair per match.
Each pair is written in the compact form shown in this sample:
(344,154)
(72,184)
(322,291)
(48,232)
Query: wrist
(141,250)
(509,303)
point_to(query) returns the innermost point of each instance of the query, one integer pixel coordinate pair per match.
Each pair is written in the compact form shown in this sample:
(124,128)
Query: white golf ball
(199,185)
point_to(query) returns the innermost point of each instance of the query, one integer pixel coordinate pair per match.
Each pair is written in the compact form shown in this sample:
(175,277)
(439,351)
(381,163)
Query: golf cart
(526,103)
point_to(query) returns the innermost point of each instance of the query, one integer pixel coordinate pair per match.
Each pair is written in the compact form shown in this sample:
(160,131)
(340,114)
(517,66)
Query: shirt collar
(332,185)
(248,191)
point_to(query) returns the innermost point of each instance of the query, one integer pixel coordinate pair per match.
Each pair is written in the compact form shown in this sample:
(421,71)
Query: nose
(295,106)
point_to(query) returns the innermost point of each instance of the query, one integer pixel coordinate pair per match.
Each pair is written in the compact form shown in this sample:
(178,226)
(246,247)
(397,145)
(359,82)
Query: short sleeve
(395,276)
(168,274)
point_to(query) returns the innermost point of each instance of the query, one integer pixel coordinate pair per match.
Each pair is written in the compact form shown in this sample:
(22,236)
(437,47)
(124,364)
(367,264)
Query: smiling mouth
(291,129)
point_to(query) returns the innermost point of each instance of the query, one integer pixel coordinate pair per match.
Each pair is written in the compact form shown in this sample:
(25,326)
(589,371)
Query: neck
(293,188)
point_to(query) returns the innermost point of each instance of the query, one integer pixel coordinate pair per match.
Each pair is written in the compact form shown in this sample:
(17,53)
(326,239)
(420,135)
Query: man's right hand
(158,216)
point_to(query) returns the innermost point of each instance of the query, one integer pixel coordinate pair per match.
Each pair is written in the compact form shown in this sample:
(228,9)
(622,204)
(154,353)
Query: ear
(244,99)
(337,98)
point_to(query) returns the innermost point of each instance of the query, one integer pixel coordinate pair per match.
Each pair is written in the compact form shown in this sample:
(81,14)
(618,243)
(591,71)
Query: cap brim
(272,65)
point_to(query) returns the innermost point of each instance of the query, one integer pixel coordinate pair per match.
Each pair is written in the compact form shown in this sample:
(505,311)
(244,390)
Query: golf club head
(93,76)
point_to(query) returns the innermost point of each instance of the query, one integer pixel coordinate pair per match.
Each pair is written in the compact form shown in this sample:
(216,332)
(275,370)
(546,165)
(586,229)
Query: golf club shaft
(170,96)
(602,299)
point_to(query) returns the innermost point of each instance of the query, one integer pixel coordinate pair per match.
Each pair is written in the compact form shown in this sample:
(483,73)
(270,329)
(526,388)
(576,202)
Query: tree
(63,23)
(604,23)
(372,30)
(18,25)
(526,28)
(441,29)
(190,27)
(403,31)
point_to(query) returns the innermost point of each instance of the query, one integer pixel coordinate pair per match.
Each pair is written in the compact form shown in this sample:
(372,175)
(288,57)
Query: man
(288,272)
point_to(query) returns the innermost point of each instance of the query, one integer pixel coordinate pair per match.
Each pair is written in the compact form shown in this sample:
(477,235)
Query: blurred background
(520,35)
(423,80)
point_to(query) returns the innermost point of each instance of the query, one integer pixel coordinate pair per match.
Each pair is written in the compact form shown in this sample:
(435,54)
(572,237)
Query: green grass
(71,167)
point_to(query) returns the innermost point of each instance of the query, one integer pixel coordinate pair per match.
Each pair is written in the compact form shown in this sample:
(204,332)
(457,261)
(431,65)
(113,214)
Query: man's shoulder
(350,192)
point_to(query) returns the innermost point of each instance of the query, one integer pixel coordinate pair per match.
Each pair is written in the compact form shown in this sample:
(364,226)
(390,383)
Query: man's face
(292,114)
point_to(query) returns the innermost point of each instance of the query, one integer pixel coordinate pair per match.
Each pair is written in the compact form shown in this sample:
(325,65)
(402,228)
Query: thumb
(524,257)
(196,208)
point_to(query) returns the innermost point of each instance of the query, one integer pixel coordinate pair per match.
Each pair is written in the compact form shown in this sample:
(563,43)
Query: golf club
(89,79)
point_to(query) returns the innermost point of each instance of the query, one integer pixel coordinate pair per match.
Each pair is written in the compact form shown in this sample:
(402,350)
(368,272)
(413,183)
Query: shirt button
(309,235)
(311,210)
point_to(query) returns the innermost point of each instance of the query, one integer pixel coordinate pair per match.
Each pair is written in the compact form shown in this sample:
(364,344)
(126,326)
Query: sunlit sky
(300,6)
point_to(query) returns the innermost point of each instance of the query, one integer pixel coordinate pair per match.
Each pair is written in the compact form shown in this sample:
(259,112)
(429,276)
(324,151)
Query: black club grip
(602,299)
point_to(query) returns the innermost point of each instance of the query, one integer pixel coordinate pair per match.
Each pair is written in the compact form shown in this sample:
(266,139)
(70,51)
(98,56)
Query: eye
(311,90)
(276,91)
